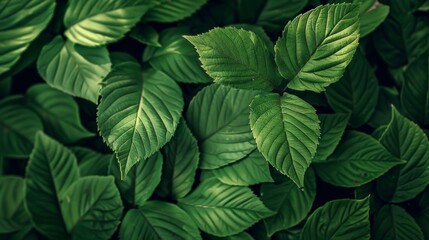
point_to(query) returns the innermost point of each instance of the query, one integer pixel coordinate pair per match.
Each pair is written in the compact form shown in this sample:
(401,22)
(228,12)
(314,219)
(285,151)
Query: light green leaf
(18,127)
(91,162)
(370,20)
(13,216)
(59,113)
(357,160)
(97,214)
(259,31)
(181,158)
(51,170)
(171,11)
(138,112)
(236,57)
(223,210)
(95,23)
(158,220)
(339,219)
(393,222)
(146,34)
(250,170)
(405,140)
(286,129)
(356,93)
(74,69)
(290,202)
(332,127)
(219,118)
(316,47)
(140,183)
(21,22)
(176,57)
(415,90)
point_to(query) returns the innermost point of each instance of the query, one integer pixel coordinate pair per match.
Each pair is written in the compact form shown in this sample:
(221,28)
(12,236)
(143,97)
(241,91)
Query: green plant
(157,119)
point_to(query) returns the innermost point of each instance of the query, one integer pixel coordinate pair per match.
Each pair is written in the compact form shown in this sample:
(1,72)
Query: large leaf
(21,22)
(339,219)
(13,216)
(52,107)
(223,210)
(393,222)
(140,183)
(219,118)
(291,203)
(95,23)
(286,129)
(236,57)
(316,46)
(250,170)
(176,57)
(51,170)
(19,126)
(415,89)
(332,127)
(138,112)
(160,221)
(181,158)
(74,69)
(92,208)
(172,11)
(356,93)
(407,141)
(91,162)
(358,159)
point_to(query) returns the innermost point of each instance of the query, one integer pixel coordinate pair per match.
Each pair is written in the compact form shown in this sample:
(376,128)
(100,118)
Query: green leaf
(18,127)
(91,162)
(21,22)
(167,11)
(259,31)
(316,47)
(158,220)
(415,89)
(219,118)
(339,219)
(393,222)
(146,34)
(290,202)
(181,158)
(272,15)
(236,57)
(97,214)
(358,160)
(74,69)
(387,97)
(59,113)
(332,127)
(371,19)
(176,57)
(223,210)
(13,216)
(95,23)
(138,112)
(140,183)
(407,141)
(286,129)
(356,93)
(422,217)
(51,170)
(250,170)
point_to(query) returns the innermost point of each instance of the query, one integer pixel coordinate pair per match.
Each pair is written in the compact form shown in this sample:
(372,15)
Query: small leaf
(74,69)
(291,203)
(286,130)
(171,11)
(236,57)
(97,214)
(223,210)
(317,46)
(158,220)
(339,219)
(332,127)
(358,160)
(138,112)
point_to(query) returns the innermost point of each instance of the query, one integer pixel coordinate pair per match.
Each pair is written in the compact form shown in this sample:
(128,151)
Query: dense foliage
(214,119)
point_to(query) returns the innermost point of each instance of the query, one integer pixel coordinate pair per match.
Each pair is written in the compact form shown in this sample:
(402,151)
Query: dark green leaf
(332,127)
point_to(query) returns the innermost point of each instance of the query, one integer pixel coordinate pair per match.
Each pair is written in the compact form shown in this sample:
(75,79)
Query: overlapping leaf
(91,162)
(332,127)
(171,11)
